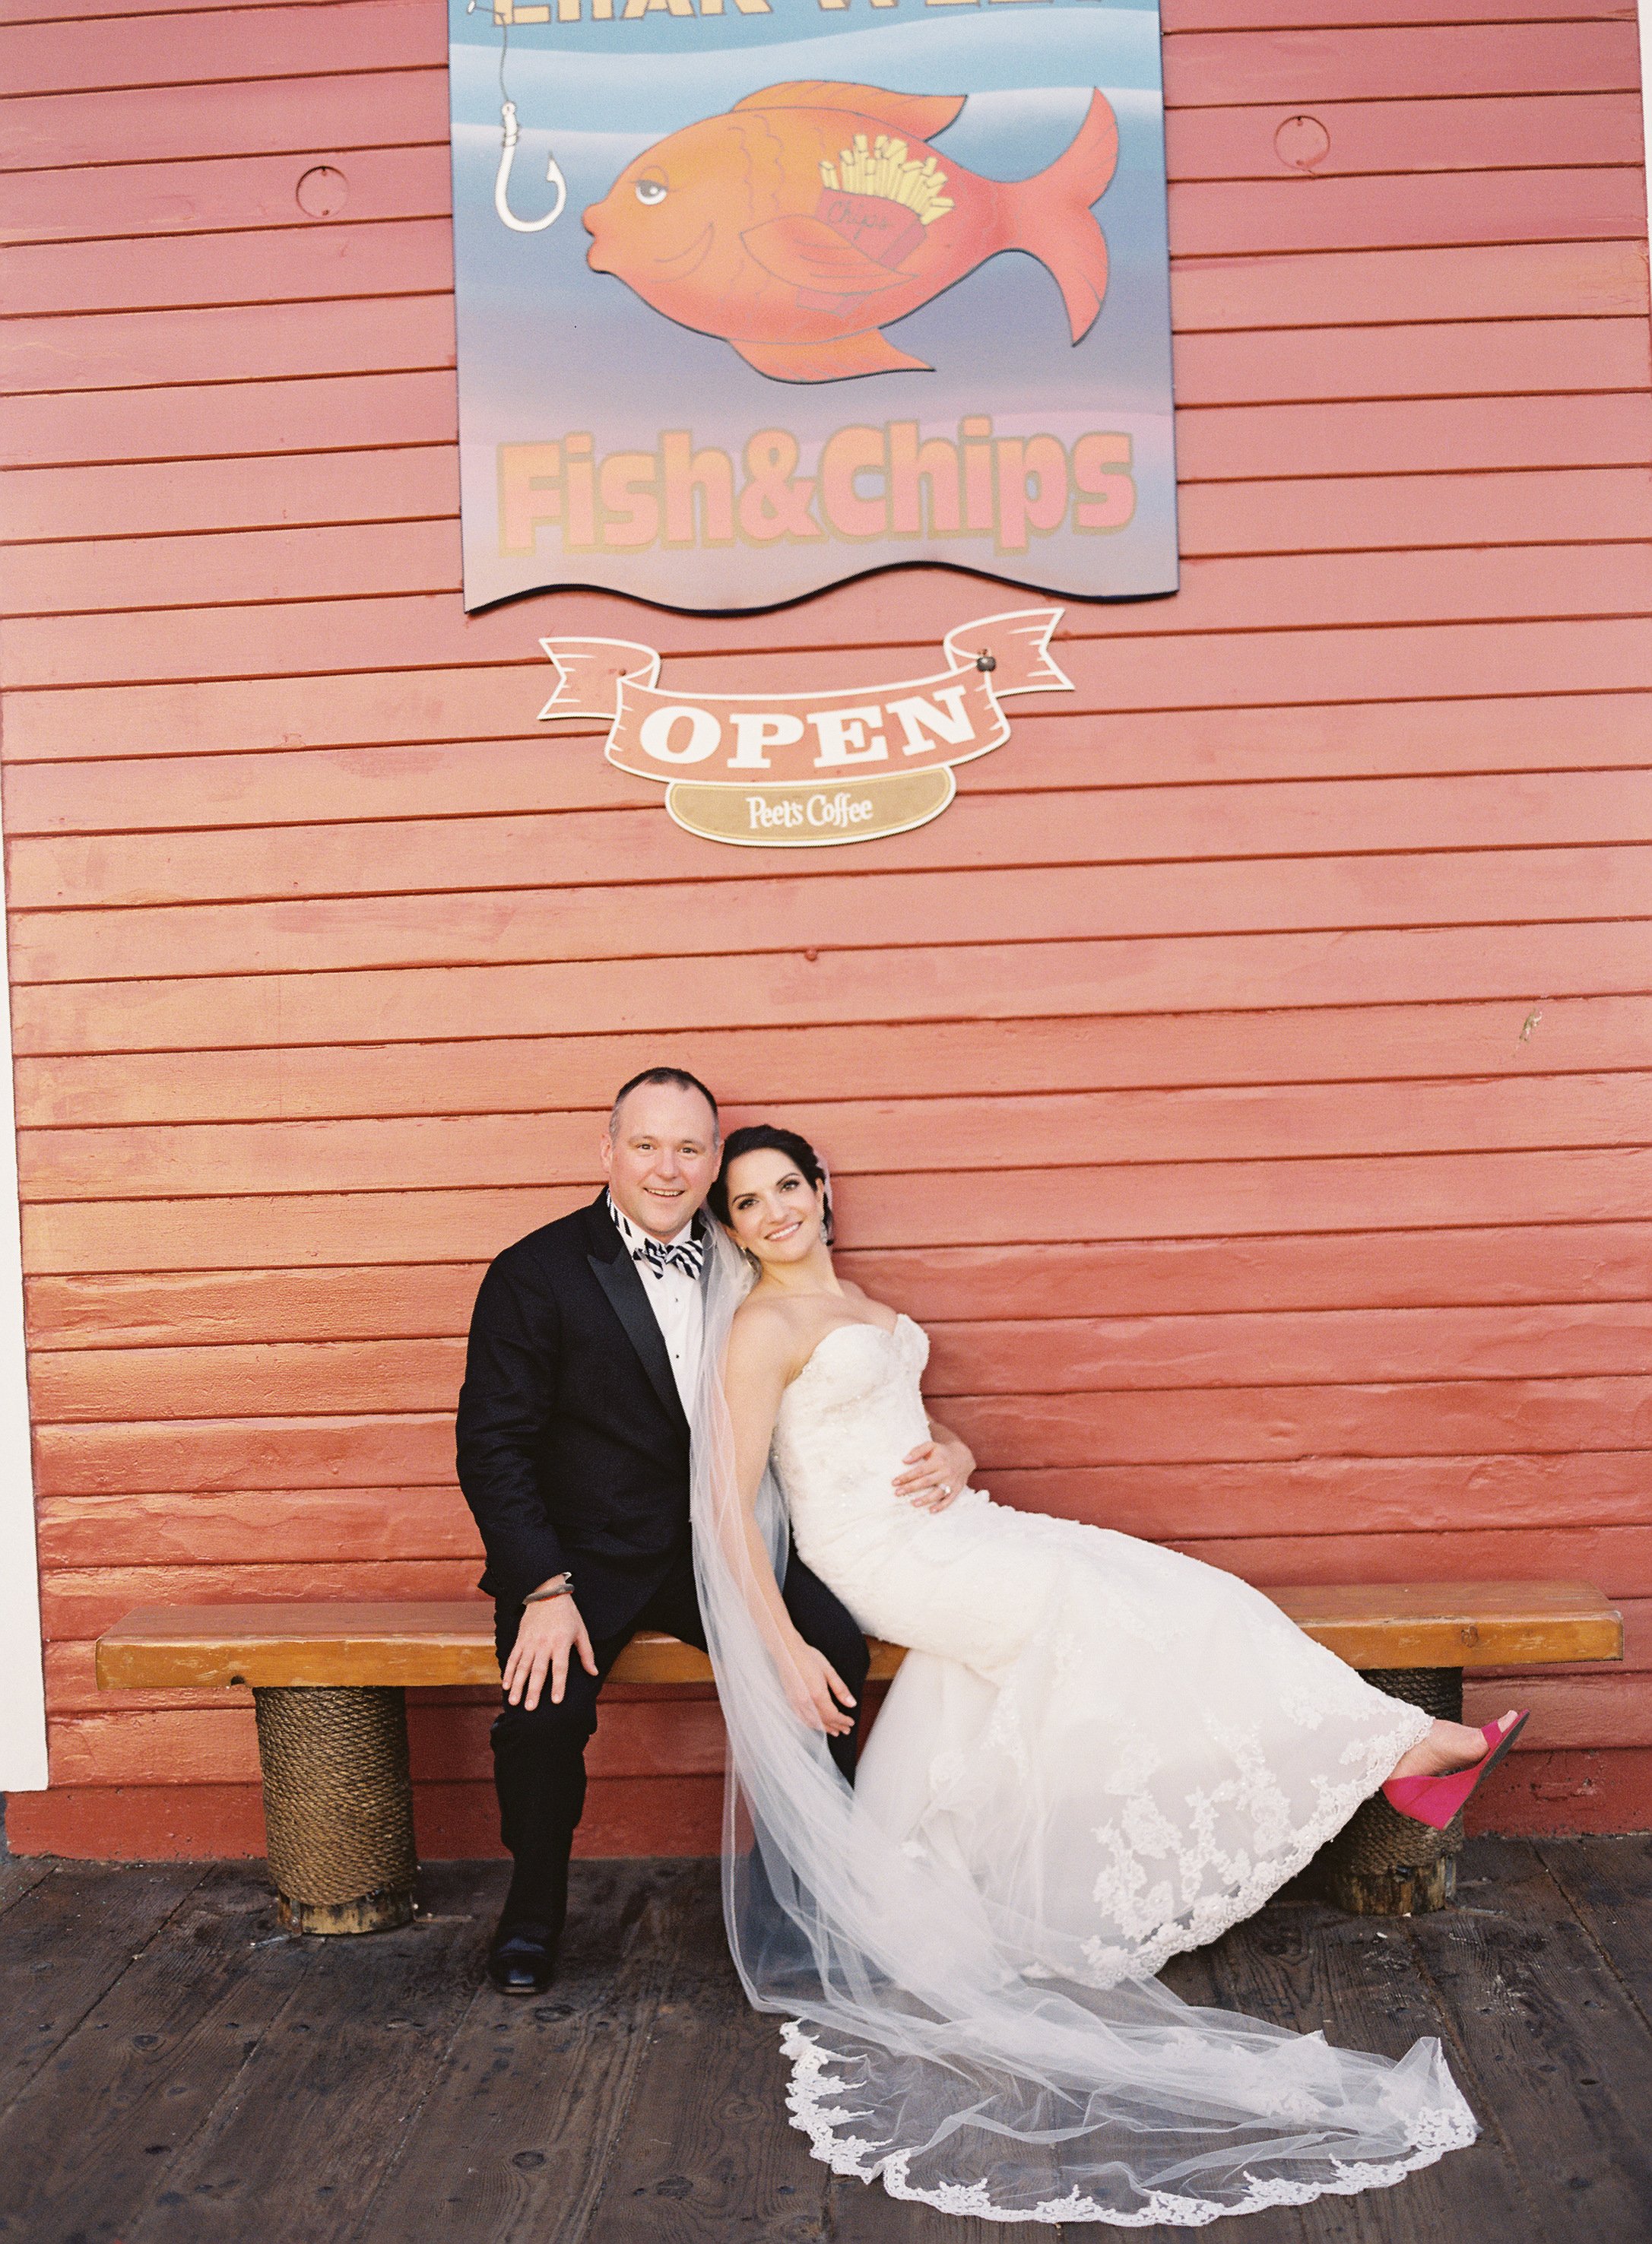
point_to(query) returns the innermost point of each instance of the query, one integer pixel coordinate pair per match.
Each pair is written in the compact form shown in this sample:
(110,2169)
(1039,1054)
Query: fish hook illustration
(510,134)
(501,185)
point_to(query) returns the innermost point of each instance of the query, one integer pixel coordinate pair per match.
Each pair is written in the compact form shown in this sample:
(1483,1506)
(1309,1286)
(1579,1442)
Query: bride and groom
(1096,1755)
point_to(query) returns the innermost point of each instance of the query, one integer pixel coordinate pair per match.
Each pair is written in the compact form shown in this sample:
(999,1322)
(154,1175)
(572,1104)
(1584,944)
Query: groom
(573,1456)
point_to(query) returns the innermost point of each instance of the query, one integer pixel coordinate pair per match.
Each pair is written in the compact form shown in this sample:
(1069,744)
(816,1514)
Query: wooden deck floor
(172,2070)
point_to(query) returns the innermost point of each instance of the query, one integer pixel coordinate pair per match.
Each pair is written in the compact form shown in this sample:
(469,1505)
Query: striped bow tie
(684,1255)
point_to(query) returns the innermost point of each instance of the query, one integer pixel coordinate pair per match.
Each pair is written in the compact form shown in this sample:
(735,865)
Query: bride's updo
(766,1137)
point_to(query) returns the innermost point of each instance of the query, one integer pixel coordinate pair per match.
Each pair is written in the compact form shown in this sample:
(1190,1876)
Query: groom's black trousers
(538,1757)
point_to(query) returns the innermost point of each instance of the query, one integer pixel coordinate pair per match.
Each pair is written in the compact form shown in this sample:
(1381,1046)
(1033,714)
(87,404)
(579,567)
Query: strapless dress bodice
(845,1428)
(845,1425)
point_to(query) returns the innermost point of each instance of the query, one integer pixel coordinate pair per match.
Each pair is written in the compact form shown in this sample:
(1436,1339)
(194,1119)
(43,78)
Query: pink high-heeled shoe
(1435,1800)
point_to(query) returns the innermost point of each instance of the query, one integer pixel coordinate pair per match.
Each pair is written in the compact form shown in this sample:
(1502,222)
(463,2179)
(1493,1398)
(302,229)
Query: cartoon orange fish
(800,221)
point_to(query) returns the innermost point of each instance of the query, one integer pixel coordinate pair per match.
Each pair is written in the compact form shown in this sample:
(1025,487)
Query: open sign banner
(757,295)
(845,764)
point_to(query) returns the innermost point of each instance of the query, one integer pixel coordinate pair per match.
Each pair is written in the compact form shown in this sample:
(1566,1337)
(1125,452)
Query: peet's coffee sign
(759,296)
(801,770)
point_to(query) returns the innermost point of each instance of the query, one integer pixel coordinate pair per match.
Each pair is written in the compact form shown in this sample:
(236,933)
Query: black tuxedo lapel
(617,1275)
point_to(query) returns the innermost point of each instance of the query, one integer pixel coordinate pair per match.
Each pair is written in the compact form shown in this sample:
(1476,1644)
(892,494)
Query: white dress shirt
(674,1298)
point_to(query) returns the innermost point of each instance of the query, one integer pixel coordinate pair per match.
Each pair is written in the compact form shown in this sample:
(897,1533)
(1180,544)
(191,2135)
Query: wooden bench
(329,1680)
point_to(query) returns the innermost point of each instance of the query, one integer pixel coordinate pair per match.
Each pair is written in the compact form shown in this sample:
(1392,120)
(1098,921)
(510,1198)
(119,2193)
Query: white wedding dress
(1124,1750)
(1096,1755)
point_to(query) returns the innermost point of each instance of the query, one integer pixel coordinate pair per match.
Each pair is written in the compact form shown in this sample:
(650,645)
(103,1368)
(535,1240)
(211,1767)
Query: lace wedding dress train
(1097,1753)
(1125,1750)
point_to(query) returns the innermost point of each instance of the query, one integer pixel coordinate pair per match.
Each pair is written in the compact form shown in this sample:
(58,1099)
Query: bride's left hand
(934,1473)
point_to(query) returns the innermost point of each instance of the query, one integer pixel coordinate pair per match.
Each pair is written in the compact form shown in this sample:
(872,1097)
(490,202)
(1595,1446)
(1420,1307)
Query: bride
(1097,1753)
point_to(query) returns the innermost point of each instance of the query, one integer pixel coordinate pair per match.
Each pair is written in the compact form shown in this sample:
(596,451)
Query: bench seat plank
(1372,1625)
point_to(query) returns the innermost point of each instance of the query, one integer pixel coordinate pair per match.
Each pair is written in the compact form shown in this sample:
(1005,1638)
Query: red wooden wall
(1243,1078)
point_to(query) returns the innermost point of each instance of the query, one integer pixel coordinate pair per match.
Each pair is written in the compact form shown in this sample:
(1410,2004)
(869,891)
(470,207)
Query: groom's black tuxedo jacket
(572,1444)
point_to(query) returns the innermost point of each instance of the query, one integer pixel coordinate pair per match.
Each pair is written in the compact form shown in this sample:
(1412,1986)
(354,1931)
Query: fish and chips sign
(756,297)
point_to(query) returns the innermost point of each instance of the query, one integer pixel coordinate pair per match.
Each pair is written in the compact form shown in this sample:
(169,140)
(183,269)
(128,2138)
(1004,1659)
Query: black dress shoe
(523,1959)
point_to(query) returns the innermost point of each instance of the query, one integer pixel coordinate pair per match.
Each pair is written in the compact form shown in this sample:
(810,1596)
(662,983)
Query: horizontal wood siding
(1249,1080)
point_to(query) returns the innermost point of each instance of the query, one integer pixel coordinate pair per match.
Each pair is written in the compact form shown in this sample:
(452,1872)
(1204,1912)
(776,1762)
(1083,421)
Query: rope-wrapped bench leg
(1384,1864)
(338,1806)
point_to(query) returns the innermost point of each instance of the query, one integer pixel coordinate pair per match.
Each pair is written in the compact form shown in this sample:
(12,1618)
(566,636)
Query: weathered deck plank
(862,2213)
(19,1877)
(513,2139)
(1608,1882)
(296,2153)
(194,2079)
(707,2150)
(146,2066)
(1559,2053)
(66,1942)
(1307,1965)
(1201,1977)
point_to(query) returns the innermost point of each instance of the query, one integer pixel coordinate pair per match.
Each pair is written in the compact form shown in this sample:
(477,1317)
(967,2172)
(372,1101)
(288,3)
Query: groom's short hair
(680,1079)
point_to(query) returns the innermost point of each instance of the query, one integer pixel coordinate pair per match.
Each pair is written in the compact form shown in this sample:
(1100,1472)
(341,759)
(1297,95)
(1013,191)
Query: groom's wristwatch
(561,1588)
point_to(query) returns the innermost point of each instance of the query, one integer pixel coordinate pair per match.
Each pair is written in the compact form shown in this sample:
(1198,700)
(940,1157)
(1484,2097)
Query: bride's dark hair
(767,1137)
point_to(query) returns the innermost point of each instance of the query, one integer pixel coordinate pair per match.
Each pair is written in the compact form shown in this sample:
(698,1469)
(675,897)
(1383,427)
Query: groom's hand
(549,1632)
(932,1474)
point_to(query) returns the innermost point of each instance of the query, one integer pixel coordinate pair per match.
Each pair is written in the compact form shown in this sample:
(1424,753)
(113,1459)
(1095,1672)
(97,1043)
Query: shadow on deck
(174,2071)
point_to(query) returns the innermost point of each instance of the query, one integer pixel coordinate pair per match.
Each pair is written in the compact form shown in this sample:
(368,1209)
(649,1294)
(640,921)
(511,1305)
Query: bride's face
(774,1211)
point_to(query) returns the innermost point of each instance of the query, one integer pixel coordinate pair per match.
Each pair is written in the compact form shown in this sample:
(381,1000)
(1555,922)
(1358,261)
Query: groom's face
(660,1158)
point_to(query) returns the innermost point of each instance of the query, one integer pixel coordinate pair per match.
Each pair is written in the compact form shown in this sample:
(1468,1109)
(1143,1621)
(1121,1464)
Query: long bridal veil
(928,2050)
